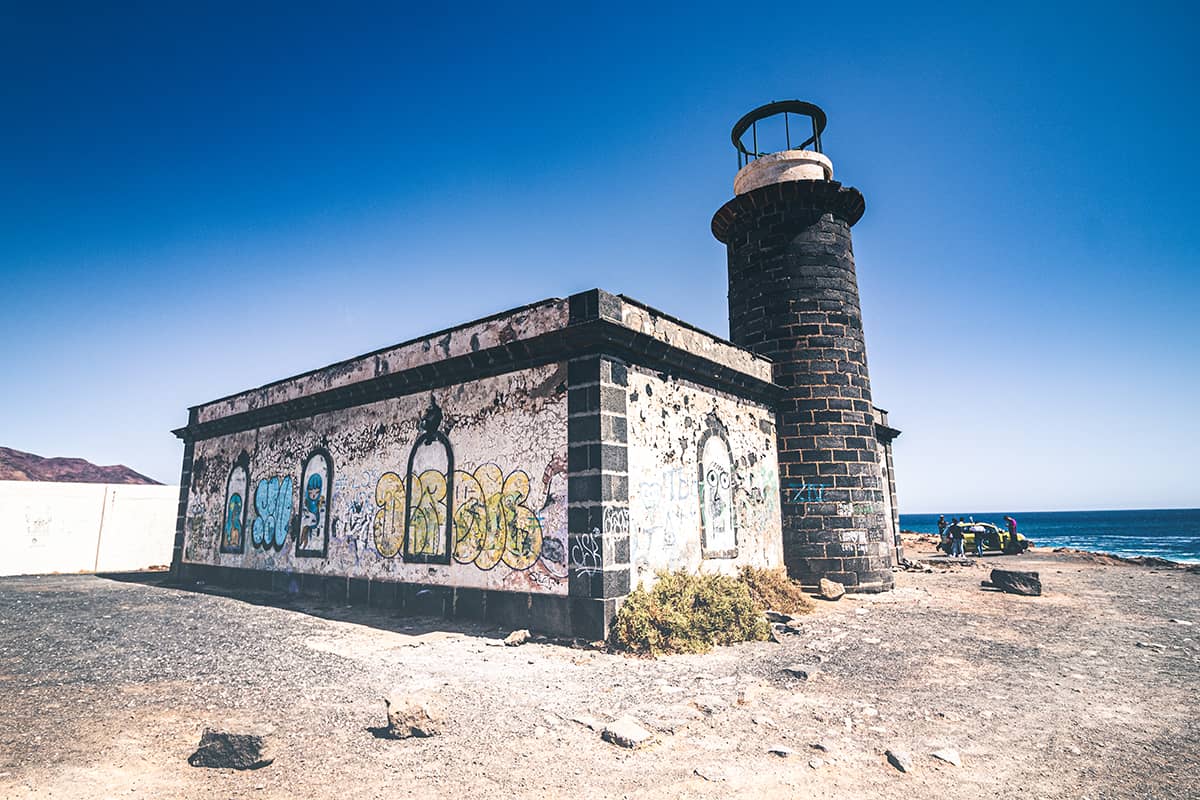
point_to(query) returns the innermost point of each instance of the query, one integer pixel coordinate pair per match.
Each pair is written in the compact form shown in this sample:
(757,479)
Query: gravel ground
(1089,691)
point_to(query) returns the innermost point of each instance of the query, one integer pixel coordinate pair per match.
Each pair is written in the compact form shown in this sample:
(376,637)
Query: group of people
(953,535)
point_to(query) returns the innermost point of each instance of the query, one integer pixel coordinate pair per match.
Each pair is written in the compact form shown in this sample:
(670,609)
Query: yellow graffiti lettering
(389,519)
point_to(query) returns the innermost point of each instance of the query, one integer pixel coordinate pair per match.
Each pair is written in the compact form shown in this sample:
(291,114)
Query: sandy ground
(1089,691)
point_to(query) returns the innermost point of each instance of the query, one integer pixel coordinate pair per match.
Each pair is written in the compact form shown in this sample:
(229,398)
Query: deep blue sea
(1172,533)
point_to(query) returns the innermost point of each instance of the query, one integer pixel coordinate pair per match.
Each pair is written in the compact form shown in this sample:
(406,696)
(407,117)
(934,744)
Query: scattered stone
(1014,582)
(588,722)
(711,777)
(900,759)
(225,750)
(1181,622)
(409,715)
(516,638)
(831,590)
(765,722)
(1073,750)
(1152,645)
(824,748)
(948,755)
(708,704)
(671,719)
(816,763)
(626,732)
(775,616)
(801,671)
(781,751)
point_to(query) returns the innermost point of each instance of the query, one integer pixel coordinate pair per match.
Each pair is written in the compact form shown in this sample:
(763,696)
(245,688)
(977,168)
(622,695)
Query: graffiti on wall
(802,492)
(585,553)
(478,517)
(492,523)
(485,493)
(316,476)
(428,489)
(233,525)
(273,505)
(718,534)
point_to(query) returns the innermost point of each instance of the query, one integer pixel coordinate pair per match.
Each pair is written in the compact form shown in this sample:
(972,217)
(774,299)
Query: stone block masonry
(793,297)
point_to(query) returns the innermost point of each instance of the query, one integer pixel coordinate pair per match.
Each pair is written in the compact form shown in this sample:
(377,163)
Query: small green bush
(686,613)
(772,589)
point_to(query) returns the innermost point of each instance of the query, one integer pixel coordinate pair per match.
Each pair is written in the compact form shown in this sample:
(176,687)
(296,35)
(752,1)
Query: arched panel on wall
(718,522)
(233,521)
(273,512)
(429,493)
(316,482)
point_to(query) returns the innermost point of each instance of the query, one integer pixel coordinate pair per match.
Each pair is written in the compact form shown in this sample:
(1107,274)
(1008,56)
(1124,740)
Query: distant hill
(18,466)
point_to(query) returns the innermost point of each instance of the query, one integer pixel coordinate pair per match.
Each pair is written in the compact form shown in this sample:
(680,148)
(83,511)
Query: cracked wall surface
(703,479)
(483,505)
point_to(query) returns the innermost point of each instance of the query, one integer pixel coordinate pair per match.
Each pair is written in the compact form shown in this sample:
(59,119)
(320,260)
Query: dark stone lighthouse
(793,297)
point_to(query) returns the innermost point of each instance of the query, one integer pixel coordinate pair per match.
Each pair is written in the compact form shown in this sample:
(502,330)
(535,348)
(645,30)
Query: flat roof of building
(549,330)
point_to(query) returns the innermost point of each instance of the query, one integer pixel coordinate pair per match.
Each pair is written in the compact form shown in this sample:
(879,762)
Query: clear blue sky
(197,200)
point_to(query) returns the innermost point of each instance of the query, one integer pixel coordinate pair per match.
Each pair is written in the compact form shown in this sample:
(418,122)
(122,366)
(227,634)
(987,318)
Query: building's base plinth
(555,615)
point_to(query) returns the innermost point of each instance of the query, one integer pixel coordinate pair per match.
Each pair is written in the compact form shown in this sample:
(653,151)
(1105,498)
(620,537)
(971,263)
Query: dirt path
(1089,691)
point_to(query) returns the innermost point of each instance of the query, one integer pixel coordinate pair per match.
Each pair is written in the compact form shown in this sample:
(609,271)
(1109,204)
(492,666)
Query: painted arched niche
(316,487)
(718,530)
(233,522)
(429,492)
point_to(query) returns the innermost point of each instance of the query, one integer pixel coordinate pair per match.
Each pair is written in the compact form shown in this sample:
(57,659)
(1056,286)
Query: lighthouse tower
(793,297)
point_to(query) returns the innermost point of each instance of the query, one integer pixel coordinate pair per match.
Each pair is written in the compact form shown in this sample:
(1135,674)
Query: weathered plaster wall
(654,323)
(703,479)
(265,498)
(84,527)
(525,323)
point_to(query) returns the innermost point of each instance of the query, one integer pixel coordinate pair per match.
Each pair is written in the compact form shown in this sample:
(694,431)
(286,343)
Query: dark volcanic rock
(1013,582)
(225,750)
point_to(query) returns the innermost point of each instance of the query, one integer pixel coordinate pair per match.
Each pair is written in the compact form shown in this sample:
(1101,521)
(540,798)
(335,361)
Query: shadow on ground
(389,619)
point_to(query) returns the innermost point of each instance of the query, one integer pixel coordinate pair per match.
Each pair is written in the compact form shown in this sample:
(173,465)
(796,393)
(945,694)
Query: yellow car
(994,538)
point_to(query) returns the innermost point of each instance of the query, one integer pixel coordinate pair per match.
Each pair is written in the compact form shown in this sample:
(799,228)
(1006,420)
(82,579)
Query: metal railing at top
(799,110)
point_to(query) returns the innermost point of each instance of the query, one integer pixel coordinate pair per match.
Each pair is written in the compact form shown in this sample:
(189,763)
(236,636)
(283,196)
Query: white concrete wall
(84,527)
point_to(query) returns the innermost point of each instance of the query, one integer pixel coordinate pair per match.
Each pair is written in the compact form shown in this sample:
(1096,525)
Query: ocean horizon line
(1056,511)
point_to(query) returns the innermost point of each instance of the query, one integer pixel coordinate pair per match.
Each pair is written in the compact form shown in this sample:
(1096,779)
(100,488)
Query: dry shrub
(686,613)
(772,589)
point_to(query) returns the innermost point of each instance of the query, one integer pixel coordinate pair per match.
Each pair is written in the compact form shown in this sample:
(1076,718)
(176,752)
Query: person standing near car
(1012,531)
(942,541)
(956,539)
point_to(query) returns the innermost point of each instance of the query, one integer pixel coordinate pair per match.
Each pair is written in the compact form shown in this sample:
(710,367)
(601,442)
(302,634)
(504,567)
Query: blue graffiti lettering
(273,502)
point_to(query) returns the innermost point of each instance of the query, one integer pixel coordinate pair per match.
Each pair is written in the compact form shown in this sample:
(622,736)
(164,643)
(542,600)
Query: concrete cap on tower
(792,162)
(789,165)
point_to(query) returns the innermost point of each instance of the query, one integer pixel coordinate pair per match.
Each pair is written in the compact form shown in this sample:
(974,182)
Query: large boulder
(1014,582)
(626,732)
(517,638)
(225,750)
(409,715)
(831,590)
